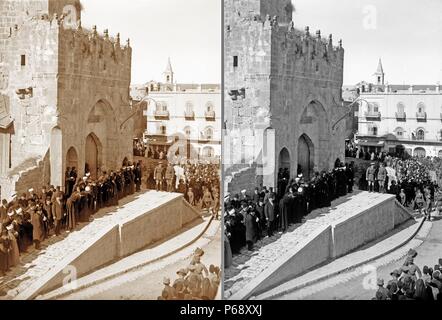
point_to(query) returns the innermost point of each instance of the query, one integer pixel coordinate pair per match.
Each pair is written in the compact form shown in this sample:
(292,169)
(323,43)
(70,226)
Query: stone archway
(306,156)
(284,159)
(315,134)
(72,158)
(92,155)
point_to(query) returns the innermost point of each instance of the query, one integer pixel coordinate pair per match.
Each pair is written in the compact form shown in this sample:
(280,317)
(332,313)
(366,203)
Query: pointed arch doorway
(305,156)
(92,155)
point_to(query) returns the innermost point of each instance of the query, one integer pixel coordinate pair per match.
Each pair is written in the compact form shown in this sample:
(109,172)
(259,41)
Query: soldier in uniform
(170,174)
(370,177)
(158,176)
(382,175)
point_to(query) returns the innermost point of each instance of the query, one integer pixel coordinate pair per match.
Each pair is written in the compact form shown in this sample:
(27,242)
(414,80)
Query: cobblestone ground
(36,263)
(249,264)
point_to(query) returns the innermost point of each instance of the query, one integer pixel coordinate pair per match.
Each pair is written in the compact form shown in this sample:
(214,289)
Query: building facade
(64,93)
(400,118)
(183,120)
(283,95)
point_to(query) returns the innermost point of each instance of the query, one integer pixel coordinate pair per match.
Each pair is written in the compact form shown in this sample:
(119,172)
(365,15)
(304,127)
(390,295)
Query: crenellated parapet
(87,52)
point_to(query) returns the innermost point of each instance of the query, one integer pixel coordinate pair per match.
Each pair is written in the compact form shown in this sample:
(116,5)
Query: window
(161,106)
(208,152)
(168,78)
(372,130)
(208,133)
(235,61)
(189,107)
(420,134)
(188,131)
(421,108)
(22,60)
(209,106)
(440,153)
(399,132)
(400,108)
(163,129)
(375,107)
(419,152)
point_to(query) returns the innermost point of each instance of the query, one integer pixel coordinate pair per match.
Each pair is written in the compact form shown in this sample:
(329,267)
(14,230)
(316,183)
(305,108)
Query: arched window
(208,133)
(400,108)
(188,131)
(420,134)
(419,152)
(399,132)
(421,107)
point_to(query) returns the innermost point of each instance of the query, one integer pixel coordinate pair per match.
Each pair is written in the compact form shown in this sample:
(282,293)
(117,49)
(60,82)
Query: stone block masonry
(67,89)
(285,80)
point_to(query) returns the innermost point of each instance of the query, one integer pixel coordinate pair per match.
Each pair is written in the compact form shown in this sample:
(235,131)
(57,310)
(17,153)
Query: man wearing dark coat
(269,213)
(249,222)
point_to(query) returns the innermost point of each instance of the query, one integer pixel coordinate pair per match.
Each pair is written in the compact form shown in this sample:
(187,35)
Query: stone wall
(284,79)
(63,83)
(363,227)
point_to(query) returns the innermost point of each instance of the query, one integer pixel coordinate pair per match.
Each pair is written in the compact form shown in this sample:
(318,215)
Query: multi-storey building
(64,95)
(185,117)
(400,118)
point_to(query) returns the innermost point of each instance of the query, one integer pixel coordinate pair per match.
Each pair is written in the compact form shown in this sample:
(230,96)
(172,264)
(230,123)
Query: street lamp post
(137,106)
(348,111)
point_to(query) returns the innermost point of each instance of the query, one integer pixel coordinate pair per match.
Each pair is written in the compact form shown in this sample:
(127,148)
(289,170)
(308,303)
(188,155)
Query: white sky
(189,31)
(408,36)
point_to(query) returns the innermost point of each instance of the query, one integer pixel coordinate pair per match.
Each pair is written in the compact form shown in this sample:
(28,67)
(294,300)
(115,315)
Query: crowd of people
(32,217)
(199,183)
(409,282)
(249,217)
(195,282)
(410,180)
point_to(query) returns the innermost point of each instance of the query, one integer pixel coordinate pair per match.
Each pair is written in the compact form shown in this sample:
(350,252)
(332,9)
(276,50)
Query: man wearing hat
(169,175)
(269,213)
(369,175)
(171,294)
(158,176)
(383,292)
(382,175)
(395,274)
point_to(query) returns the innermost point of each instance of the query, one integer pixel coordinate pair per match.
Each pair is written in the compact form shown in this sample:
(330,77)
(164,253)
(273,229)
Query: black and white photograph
(332,151)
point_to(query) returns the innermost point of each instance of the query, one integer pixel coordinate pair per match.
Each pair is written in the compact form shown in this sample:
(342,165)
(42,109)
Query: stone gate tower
(283,95)
(64,91)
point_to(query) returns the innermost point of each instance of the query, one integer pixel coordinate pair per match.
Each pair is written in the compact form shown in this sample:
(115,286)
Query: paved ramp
(115,232)
(327,233)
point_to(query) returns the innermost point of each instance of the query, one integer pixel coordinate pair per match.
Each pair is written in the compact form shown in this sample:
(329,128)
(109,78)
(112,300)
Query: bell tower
(168,73)
(379,74)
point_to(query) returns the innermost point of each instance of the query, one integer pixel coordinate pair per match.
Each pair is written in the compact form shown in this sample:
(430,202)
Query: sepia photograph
(110,150)
(332,150)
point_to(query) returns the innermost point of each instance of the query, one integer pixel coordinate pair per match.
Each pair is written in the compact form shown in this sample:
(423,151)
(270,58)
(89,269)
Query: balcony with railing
(421,116)
(189,115)
(401,116)
(373,115)
(210,115)
(161,114)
